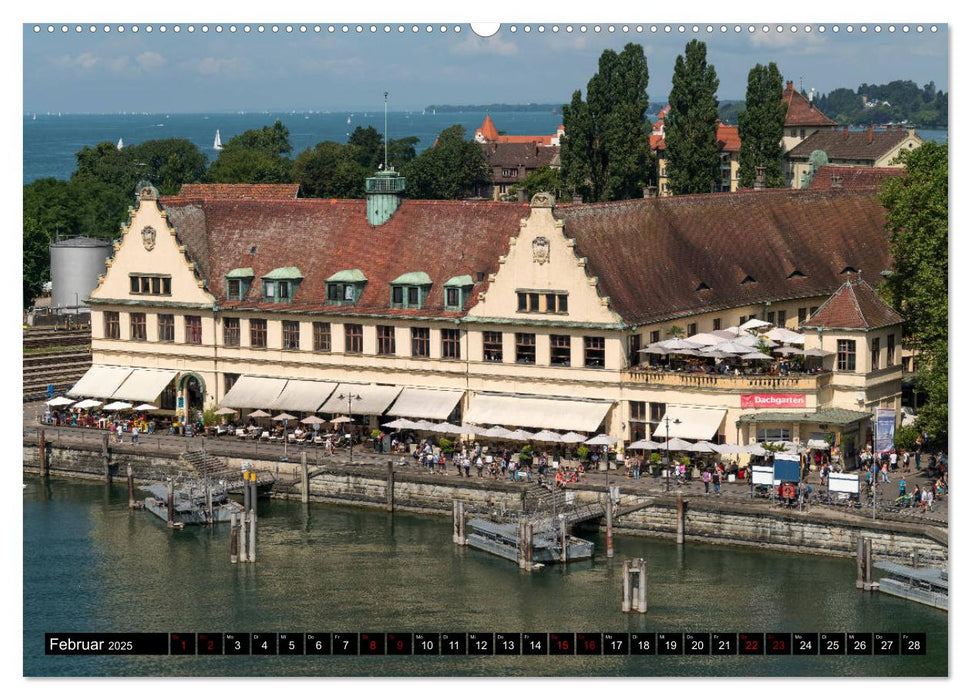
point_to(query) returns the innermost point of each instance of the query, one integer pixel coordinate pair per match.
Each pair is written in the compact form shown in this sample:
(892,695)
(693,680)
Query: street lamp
(667,448)
(350,397)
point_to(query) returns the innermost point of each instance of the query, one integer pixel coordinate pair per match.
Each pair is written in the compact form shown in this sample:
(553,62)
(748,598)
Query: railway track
(66,361)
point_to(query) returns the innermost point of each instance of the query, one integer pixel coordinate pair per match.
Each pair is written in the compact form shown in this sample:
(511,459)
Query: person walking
(903,487)
(716,479)
(134,435)
(884,474)
(118,433)
(706,479)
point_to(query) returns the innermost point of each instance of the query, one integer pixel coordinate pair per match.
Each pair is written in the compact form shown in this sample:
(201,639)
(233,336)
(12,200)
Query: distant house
(729,147)
(512,158)
(803,119)
(240,191)
(868,149)
(851,178)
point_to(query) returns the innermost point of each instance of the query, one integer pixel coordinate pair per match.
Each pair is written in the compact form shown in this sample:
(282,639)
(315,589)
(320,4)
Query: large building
(529,315)
(872,148)
(511,158)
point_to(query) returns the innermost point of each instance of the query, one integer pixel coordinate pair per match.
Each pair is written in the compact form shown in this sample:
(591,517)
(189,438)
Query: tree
(330,169)
(37,260)
(761,126)
(545,180)
(605,151)
(166,163)
(256,155)
(916,215)
(691,127)
(448,170)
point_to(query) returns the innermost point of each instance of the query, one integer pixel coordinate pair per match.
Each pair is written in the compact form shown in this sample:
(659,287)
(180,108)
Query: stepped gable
(856,306)
(322,237)
(850,145)
(651,256)
(800,111)
(861,178)
(240,191)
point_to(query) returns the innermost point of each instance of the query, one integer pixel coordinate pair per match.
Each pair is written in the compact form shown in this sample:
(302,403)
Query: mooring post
(131,488)
(868,564)
(242,536)
(304,478)
(521,544)
(610,526)
(635,585)
(642,586)
(253,494)
(233,558)
(529,546)
(245,491)
(462,541)
(390,487)
(859,563)
(106,454)
(625,598)
(913,558)
(42,447)
(171,504)
(563,543)
(679,502)
(455,521)
(209,514)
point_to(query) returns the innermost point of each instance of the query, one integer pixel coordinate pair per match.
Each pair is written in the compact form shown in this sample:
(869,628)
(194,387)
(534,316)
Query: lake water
(91,565)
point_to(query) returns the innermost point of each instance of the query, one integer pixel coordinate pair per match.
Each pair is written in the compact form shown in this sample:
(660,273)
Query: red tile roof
(853,178)
(651,255)
(728,139)
(490,134)
(850,145)
(800,111)
(322,237)
(243,191)
(657,142)
(488,129)
(855,305)
(527,156)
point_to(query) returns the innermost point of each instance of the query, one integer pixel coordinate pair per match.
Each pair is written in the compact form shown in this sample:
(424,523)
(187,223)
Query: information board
(844,483)
(762,475)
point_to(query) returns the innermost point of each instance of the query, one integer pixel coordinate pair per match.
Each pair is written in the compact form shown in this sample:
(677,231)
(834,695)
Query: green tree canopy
(691,127)
(605,152)
(330,169)
(546,180)
(760,127)
(255,156)
(449,170)
(916,215)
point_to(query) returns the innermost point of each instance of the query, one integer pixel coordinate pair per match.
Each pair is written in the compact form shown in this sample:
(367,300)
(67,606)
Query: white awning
(537,412)
(144,384)
(303,395)
(695,423)
(253,392)
(100,381)
(374,399)
(425,403)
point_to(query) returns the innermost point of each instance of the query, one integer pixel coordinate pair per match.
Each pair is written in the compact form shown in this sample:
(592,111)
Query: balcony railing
(752,382)
(379,185)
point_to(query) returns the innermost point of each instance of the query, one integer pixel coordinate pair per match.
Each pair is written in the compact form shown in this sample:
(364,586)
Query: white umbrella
(753,323)
(602,440)
(258,413)
(313,420)
(146,407)
(448,428)
(717,354)
(226,412)
(572,437)
(87,403)
(496,431)
(679,445)
(646,445)
(730,449)
(547,436)
(284,416)
(705,339)
(679,344)
(400,424)
(60,401)
(118,406)
(787,350)
(784,335)
(655,349)
(520,435)
(755,449)
(756,356)
(704,446)
(469,429)
(732,347)
(342,419)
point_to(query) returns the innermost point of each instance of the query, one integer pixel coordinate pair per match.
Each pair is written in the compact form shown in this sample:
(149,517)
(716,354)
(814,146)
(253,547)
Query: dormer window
(238,282)
(796,275)
(457,291)
(849,270)
(410,290)
(748,280)
(702,288)
(345,287)
(280,285)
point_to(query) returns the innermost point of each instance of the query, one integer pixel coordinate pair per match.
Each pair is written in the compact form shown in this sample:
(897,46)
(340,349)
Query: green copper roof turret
(383,195)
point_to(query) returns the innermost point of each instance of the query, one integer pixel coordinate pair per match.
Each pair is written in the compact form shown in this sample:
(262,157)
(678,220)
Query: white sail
(217,144)
(121,144)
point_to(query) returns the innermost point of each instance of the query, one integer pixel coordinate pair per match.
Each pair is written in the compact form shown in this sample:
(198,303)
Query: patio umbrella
(679,344)
(572,437)
(732,347)
(118,406)
(258,414)
(284,416)
(87,403)
(705,339)
(753,323)
(646,445)
(755,449)
(448,428)
(704,446)
(342,419)
(784,335)
(496,431)
(425,425)
(313,420)
(399,424)
(547,436)
(226,412)
(60,401)
(602,439)
(756,356)
(730,449)
(679,445)
(520,435)
(717,354)
(469,429)
(146,407)
(655,349)
(816,352)
(787,350)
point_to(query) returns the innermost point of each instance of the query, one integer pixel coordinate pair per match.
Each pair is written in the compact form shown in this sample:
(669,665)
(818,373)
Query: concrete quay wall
(710,520)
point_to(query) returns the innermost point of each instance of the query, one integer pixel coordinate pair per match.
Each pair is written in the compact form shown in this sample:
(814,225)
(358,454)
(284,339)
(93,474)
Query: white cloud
(493,46)
(217,66)
(800,42)
(83,61)
(150,60)
(332,66)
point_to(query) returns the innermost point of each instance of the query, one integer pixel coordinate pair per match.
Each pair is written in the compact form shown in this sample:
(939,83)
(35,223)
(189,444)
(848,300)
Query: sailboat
(121,144)
(217,144)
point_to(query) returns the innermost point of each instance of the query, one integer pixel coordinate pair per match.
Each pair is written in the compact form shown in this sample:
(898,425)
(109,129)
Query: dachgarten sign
(773,400)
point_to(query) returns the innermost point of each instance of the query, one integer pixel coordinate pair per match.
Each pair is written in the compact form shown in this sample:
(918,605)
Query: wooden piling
(859,563)
(610,526)
(106,456)
(679,515)
(246,506)
(131,488)
(252,522)
(42,446)
(455,521)
(171,504)
(209,514)
(563,540)
(304,478)
(625,597)
(642,586)
(521,544)
(389,494)
(868,565)
(913,558)
(242,536)
(233,557)
(462,541)
(529,546)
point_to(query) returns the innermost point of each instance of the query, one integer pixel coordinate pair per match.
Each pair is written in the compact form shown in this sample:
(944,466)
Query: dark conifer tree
(691,127)
(760,127)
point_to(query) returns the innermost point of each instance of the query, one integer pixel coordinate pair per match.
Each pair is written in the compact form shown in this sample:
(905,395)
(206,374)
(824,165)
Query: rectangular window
(846,355)
(692,329)
(386,340)
(137,326)
(875,354)
(291,335)
(526,348)
(452,297)
(770,317)
(781,318)
(334,292)
(397,295)
(112,327)
(451,345)
(638,410)
(520,301)
(812,310)
(413,297)
(492,346)
(269,291)
(891,350)
(772,434)
(257,333)
(157,285)
(166,286)
(657,411)
(634,348)
(229,380)
(321,336)
(234,289)
(561,306)
(716,324)
(655,336)
(134,285)
(350,293)
(560,350)
(593,351)
(193,330)
(353,338)
(533,301)
(231,332)
(420,342)
(550,303)
(801,315)
(166,328)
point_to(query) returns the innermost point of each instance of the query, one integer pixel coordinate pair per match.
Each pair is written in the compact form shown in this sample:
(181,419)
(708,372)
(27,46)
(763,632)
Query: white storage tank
(76,264)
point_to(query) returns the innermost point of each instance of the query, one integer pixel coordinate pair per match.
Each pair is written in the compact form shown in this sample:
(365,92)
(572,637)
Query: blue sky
(225,71)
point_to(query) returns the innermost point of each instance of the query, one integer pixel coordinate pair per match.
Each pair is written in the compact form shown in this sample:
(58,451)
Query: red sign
(773,400)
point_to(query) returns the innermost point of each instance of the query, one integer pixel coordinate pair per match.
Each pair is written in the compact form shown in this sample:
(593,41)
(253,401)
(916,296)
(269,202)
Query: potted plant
(209,419)
(526,455)
(447,447)
(582,453)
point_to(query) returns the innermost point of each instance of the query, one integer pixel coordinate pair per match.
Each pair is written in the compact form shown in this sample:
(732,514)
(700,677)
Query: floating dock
(192,504)
(502,539)
(924,585)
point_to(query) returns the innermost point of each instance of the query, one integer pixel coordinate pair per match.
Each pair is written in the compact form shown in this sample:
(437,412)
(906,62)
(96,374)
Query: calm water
(51,141)
(90,565)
